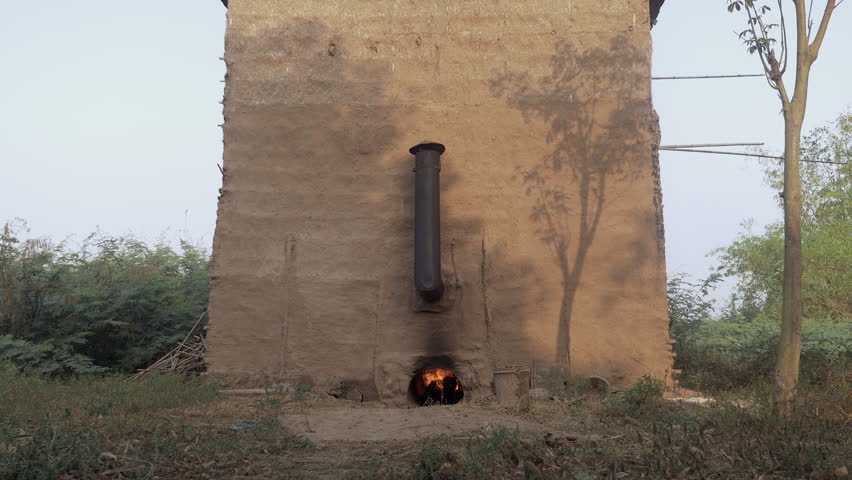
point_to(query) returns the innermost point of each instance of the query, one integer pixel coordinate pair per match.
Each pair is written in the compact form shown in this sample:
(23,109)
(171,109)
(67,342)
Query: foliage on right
(755,259)
(733,346)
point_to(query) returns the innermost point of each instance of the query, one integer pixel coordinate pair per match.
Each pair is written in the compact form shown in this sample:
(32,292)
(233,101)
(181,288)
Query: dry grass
(175,427)
(637,434)
(164,426)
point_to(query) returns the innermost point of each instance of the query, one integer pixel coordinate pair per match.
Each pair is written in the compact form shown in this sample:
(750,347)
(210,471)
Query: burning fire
(437,375)
(437,385)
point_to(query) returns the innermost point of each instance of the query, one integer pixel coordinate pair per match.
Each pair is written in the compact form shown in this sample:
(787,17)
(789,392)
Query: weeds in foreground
(648,437)
(642,400)
(163,427)
(25,398)
(729,445)
(47,452)
(164,450)
(87,427)
(566,386)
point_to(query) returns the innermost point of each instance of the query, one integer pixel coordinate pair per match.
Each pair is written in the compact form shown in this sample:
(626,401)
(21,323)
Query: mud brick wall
(551,238)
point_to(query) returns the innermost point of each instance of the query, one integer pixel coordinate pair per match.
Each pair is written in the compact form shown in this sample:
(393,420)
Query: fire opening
(436,386)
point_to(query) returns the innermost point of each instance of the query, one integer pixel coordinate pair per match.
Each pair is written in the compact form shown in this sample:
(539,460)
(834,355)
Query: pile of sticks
(186,357)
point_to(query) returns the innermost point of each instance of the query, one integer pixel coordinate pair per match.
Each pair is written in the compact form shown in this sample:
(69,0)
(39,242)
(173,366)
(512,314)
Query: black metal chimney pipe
(427,220)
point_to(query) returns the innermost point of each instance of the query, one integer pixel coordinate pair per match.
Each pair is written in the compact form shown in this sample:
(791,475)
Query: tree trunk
(790,346)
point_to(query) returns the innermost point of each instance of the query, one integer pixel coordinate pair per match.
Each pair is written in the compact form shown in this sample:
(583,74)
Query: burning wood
(437,386)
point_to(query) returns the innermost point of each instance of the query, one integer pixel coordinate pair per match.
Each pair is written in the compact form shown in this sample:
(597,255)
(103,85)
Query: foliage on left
(111,303)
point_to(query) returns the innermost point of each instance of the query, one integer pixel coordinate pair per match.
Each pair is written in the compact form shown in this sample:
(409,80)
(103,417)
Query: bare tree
(774,59)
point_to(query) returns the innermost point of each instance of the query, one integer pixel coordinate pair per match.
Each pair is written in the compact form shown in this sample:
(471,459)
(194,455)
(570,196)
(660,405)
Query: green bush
(51,357)
(722,355)
(735,347)
(689,307)
(112,302)
(756,259)
(644,399)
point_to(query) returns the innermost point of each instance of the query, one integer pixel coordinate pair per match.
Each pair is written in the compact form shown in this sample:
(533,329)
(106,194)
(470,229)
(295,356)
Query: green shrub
(756,259)
(51,357)
(723,355)
(643,399)
(735,347)
(112,302)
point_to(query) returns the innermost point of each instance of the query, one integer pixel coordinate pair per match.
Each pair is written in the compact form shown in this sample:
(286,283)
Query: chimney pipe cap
(437,147)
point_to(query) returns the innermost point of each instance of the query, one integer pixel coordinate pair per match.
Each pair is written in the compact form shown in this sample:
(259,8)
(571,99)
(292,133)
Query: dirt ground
(363,440)
(191,430)
(395,424)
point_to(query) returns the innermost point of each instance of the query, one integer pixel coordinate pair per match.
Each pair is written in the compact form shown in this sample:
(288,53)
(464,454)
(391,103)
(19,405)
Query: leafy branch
(759,38)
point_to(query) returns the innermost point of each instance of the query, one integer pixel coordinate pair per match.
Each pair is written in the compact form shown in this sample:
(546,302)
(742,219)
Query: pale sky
(110,113)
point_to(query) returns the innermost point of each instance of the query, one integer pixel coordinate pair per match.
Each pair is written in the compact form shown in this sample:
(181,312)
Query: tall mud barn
(440,188)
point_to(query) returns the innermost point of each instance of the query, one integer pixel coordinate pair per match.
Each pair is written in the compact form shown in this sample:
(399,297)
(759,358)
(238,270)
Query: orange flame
(432,386)
(437,376)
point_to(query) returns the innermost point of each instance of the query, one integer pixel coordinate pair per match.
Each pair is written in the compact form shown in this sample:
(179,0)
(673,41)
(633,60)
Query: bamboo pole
(720,153)
(746,155)
(696,77)
(698,145)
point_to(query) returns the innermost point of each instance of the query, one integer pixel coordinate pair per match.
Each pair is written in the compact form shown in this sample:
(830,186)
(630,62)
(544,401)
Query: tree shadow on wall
(594,107)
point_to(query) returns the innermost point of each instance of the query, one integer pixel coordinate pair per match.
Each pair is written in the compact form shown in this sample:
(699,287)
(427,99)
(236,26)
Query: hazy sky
(110,113)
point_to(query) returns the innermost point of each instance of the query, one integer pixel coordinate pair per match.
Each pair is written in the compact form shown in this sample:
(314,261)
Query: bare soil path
(398,424)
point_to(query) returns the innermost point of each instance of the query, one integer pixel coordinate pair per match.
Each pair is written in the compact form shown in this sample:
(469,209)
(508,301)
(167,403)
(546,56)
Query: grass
(644,436)
(164,426)
(176,427)
(29,397)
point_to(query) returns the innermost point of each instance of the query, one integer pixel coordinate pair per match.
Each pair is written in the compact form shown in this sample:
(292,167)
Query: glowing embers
(436,386)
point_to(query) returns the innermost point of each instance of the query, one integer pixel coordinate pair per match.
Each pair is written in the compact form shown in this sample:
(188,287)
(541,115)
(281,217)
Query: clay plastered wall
(549,225)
